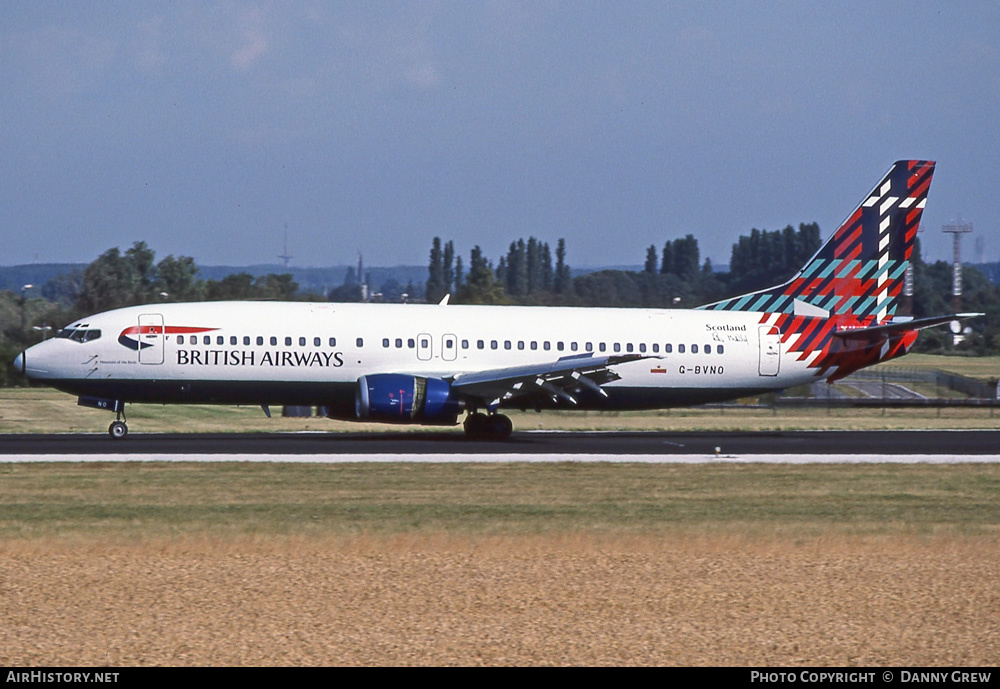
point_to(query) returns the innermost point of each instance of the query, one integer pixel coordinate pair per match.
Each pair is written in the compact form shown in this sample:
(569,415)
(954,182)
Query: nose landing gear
(118,428)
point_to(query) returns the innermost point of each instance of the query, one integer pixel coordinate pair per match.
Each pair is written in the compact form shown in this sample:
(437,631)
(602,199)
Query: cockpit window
(79,334)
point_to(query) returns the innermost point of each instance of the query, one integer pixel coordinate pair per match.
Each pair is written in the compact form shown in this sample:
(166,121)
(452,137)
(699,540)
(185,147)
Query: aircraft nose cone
(19,363)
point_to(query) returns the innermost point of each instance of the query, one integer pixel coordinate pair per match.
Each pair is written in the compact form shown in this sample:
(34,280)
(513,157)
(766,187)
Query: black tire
(500,427)
(476,426)
(117,430)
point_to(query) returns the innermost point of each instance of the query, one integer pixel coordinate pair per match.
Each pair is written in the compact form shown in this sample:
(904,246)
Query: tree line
(529,273)
(674,277)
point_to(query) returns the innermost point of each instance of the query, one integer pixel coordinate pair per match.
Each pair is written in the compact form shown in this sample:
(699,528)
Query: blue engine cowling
(399,398)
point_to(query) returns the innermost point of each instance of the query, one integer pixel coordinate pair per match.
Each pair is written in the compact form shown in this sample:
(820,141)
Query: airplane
(431,363)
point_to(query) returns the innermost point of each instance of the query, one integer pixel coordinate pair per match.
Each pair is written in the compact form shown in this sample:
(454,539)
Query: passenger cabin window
(668,348)
(680,349)
(333,341)
(220,340)
(694,349)
(246,340)
(360,342)
(288,342)
(302,342)
(385,342)
(207,339)
(180,338)
(232,339)
(260,340)
(316,342)
(273,340)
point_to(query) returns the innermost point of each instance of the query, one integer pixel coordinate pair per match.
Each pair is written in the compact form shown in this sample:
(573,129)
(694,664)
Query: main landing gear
(479,426)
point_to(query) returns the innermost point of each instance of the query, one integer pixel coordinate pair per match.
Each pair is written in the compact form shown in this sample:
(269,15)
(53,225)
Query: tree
(448,271)
(110,282)
(435,287)
(459,276)
(516,282)
(278,287)
(65,288)
(178,278)
(563,278)
(480,285)
(651,259)
(236,286)
(142,259)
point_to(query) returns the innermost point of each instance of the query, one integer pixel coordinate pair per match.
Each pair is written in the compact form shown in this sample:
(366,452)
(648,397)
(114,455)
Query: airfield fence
(880,388)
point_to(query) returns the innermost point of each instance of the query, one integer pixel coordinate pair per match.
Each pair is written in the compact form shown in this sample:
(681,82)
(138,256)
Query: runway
(530,446)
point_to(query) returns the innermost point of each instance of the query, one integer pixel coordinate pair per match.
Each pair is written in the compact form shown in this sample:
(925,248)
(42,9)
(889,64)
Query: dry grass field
(439,599)
(564,564)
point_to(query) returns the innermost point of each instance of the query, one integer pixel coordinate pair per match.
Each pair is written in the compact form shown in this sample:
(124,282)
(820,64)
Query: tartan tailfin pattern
(860,269)
(853,281)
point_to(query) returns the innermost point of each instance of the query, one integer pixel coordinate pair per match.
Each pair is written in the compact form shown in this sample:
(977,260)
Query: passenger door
(770,350)
(151,338)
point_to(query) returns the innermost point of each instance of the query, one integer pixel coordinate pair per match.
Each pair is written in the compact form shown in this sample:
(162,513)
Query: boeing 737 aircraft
(430,364)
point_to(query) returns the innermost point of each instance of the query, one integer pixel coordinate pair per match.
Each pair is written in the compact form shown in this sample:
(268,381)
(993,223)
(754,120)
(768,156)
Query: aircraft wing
(899,326)
(561,379)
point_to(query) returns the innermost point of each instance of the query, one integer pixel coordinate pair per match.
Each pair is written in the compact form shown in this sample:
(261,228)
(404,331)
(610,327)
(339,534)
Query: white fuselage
(313,353)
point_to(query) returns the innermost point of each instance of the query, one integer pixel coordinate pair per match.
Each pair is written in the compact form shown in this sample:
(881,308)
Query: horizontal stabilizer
(898,326)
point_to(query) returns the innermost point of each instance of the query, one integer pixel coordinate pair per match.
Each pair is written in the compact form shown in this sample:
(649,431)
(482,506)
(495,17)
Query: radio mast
(285,256)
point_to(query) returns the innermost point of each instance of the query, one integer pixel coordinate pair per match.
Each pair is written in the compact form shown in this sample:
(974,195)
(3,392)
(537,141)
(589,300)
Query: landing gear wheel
(117,430)
(500,427)
(492,427)
(477,425)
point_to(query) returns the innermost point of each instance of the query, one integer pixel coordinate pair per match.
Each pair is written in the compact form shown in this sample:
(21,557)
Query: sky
(205,128)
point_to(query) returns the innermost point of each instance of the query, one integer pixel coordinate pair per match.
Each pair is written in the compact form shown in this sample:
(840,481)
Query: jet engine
(399,398)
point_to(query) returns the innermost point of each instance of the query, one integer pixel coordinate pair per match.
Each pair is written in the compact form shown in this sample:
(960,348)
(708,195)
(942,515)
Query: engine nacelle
(399,398)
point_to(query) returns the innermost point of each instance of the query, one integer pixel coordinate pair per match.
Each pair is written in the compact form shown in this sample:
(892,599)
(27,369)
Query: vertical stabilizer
(860,269)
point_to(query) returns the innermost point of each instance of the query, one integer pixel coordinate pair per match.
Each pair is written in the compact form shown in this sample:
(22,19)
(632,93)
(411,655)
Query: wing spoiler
(557,379)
